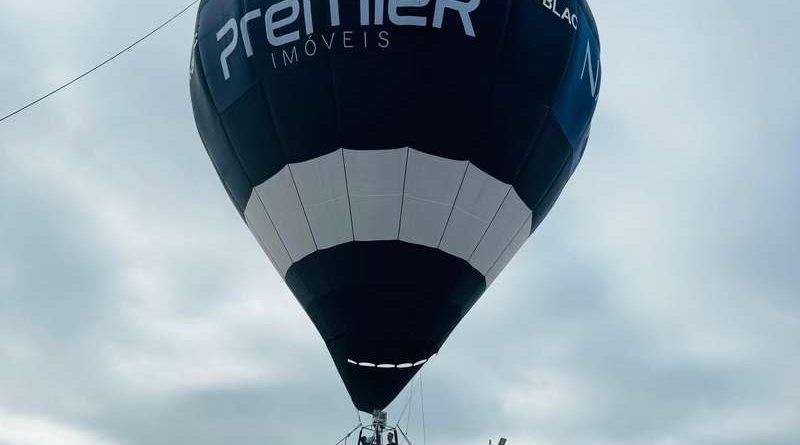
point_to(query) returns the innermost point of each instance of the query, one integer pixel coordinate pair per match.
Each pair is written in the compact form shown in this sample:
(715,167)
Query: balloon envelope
(391,157)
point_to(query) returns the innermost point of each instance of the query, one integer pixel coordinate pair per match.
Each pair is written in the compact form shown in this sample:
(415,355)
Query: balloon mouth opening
(388,365)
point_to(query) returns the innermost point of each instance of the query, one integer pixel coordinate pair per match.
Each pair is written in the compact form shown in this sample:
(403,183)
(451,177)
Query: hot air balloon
(391,156)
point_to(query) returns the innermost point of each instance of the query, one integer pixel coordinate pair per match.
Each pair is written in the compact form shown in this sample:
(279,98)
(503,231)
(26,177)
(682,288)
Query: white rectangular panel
(478,201)
(259,223)
(323,192)
(375,182)
(516,243)
(503,229)
(282,202)
(431,187)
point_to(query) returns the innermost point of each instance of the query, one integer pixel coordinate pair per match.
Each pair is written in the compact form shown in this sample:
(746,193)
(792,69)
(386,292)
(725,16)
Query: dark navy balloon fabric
(507,86)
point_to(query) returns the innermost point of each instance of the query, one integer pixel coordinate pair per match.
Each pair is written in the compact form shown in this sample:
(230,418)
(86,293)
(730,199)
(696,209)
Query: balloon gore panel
(383,302)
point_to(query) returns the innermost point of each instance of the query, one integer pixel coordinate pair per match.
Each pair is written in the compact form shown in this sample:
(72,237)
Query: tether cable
(405,436)
(101,64)
(348,434)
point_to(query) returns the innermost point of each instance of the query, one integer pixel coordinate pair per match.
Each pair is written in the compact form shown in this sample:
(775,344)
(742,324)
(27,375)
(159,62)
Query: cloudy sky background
(657,304)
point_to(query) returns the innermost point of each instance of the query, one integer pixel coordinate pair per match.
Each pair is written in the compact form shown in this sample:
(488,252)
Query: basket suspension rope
(422,405)
(406,406)
(411,409)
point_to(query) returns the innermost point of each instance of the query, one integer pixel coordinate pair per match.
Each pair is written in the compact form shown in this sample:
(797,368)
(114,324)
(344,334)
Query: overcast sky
(659,303)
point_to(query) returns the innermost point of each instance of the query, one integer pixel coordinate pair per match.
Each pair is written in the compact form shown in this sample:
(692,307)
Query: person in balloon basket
(391,439)
(364,440)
